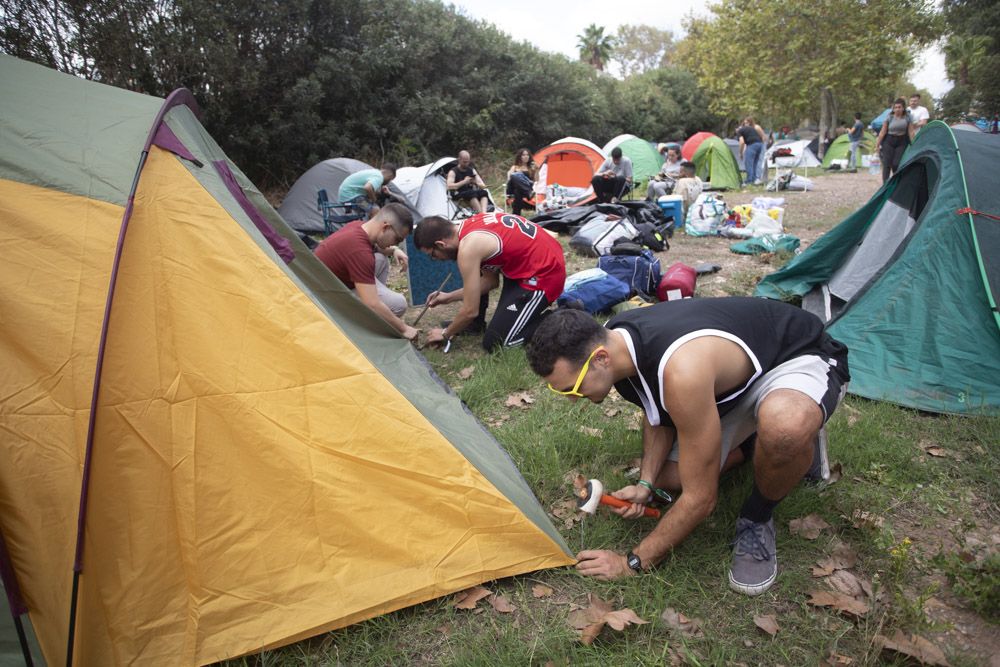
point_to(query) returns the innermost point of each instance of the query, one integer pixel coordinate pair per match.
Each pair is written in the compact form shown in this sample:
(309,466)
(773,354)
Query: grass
(929,507)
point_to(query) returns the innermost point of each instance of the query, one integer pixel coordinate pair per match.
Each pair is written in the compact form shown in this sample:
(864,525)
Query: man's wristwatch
(634,562)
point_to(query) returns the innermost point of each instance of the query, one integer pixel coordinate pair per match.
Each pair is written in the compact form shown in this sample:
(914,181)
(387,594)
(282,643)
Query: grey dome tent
(299,208)
(910,282)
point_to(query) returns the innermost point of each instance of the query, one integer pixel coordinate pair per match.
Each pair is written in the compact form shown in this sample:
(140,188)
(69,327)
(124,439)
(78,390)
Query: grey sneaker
(755,563)
(820,469)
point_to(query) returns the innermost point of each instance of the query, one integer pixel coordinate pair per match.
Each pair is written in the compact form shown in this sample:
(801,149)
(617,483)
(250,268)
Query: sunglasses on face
(575,391)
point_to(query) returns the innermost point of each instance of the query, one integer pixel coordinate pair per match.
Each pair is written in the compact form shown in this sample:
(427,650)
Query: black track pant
(516,316)
(892,152)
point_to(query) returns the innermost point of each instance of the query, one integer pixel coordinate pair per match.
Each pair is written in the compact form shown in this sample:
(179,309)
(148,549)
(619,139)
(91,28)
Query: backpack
(596,293)
(654,236)
(640,272)
(596,236)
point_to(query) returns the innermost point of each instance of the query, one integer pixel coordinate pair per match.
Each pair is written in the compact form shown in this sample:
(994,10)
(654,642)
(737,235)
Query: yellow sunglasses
(575,391)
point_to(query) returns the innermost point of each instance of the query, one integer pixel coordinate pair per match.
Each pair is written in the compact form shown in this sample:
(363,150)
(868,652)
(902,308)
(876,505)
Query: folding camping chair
(337,214)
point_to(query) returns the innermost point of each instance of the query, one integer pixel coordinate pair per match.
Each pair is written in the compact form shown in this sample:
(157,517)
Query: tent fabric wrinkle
(279,244)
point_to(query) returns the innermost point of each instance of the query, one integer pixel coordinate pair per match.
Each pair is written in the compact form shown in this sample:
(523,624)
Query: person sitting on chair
(363,188)
(688,186)
(356,255)
(521,180)
(663,183)
(464,182)
(485,246)
(612,178)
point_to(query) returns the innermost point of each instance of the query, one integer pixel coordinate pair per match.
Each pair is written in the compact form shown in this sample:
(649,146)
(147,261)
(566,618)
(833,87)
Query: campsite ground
(906,539)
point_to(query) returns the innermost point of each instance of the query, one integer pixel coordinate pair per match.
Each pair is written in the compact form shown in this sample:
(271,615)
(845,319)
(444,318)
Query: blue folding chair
(337,214)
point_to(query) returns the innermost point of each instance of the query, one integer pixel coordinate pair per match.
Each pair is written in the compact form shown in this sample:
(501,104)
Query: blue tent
(876,124)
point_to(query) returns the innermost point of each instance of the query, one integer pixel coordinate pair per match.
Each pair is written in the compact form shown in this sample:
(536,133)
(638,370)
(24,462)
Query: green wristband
(646,484)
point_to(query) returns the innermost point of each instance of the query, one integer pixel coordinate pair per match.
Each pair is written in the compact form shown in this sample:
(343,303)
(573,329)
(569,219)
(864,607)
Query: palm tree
(962,53)
(595,46)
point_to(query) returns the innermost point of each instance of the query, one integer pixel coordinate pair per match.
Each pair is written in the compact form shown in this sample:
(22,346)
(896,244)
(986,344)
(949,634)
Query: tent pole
(180,97)
(22,637)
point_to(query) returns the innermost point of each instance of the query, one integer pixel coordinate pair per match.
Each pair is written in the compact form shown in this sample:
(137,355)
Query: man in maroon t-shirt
(350,255)
(486,245)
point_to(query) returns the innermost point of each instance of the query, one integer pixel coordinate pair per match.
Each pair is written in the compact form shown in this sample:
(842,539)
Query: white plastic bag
(705,215)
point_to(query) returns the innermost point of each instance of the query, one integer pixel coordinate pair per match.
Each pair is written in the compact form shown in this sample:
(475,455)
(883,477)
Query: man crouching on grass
(709,374)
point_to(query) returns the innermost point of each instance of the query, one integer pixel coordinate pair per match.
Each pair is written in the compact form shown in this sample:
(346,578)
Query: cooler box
(672,206)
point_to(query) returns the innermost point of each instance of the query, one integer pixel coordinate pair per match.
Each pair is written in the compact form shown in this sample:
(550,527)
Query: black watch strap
(634,562)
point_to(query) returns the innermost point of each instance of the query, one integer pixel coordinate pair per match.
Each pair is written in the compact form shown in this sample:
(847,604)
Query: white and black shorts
(818,378)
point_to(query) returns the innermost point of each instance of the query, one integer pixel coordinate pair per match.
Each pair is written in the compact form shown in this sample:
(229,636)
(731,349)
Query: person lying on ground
(710,374)
(487,246)
(613,177)
(356,255)
(364,187)
(464,182)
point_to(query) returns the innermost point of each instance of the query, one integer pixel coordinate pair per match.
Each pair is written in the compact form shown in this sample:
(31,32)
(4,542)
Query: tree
(773,57)
(595,47)
(641,48)
(963,52)
(972,53)
(663,104)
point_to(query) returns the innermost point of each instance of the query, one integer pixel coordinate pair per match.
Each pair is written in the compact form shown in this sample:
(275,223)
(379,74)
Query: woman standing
(893,138)
(521,179)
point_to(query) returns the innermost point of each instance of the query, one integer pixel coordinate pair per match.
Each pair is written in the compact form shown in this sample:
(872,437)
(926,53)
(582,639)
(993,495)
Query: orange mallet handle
(618,502)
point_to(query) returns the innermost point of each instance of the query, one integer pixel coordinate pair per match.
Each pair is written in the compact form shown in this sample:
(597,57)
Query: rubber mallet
(592,495)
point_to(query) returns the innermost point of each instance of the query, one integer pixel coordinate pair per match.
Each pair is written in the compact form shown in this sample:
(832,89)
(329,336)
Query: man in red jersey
(486,245)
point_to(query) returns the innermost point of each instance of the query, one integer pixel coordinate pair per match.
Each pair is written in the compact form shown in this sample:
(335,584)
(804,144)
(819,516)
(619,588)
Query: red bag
(677,283)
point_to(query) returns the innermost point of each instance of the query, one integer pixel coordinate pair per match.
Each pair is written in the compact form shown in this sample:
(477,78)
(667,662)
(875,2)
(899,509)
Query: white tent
(801,155)
(425,187)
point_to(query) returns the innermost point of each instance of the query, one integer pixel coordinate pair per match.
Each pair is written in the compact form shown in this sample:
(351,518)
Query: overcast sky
(552,25)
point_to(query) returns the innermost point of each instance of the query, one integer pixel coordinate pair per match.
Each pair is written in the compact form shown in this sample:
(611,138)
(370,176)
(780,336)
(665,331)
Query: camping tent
(646,162)
(570,162)
(299,207)
(840,148)
(690,146)
(734,148)
(266,461)
(801,155)
(967,127)
(910,282)
(715,165)
(876,124)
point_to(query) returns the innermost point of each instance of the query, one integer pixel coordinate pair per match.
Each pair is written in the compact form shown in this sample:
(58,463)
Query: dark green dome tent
(910,281)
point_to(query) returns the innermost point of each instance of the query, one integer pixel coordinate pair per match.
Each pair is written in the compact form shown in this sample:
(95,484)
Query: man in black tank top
(709,374)
(464,182)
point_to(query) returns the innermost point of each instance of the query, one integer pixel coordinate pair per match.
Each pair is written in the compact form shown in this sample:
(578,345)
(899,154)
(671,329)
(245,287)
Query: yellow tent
(268,460)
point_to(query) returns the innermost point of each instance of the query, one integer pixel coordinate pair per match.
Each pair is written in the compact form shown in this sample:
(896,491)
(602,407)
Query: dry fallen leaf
(468,598)
(866,519)
(939,452)
(839,602)
(541,591)
(808,527)
(466,372)
(567,511)
(502,604)
(914,646)
(689,627)
(444,629)
(521,399)
(847,583)
(593,432)
(591,621)
(837,660)
(611,412)
(768,624)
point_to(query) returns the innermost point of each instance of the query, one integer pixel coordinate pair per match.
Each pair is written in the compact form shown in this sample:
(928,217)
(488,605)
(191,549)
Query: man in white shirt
(918,114)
